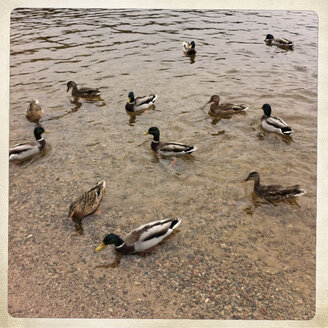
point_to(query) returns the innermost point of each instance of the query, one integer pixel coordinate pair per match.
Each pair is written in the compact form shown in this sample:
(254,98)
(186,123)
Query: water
(119,51)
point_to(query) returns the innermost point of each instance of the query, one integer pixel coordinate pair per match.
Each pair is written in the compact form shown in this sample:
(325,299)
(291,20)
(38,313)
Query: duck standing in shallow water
(168,148)
(189,48)
(83,92)
(224,109)
(24,151)
(270,40)
(141,238)
(87,203)
(274,124)
(274,193)
(34,112)
(139,103)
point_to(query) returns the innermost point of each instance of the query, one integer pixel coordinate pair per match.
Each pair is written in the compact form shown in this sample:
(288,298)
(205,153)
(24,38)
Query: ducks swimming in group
(139,103)
(274,124)
(189,48)
(270,40)
(141,238)
(87,203)
(24,151)
(224,109)
(168,148)
(34,112)
(273,193)
(83,92)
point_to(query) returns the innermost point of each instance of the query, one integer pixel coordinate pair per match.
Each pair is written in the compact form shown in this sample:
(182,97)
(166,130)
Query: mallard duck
(87,203)
(269,39)
(139,103)
(225,108)
(23,151)
(168,148)
(34,112)
(274,192)
(189,48)
(274,124)
(141,238)
(83,92)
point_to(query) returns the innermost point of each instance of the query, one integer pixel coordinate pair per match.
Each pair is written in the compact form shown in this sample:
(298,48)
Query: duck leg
(173,161)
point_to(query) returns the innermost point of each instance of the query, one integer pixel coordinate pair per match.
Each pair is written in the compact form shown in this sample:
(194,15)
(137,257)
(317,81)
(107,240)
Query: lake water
(231,257)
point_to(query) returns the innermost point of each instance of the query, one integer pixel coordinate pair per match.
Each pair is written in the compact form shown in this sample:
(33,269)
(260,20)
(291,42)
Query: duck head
(252,176)
(108,240)
(214,99)
(71,84)
(266,109)
(130,97)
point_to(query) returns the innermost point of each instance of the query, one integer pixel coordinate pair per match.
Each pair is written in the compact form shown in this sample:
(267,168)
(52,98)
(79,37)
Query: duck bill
(244,181)
(129,99)
(100,247)
(46,131)
(146,133)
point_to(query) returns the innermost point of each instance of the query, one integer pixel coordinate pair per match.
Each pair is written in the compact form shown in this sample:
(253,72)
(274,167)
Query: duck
(34,112)
(225,108)
(23,151)
(87,203)
(139,103)
(274,124)
(168,148)
(270,40)
(189,48)
(273,192)
(141,238)
(83,92)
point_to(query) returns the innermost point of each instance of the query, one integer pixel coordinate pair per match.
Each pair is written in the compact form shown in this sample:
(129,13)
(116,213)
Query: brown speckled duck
(34,112)
(274,193)
(83,92)
(87,203)
(225,108)
(141,238)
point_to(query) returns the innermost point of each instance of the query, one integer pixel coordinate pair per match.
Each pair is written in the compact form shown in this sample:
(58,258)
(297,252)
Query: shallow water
(122,50)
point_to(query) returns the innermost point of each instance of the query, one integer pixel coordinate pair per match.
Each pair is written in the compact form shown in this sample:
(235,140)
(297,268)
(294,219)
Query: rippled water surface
(227,246)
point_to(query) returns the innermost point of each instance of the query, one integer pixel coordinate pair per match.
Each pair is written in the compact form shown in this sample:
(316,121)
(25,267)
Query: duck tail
(286,130)
(175,223)
(300,192)
(154,98)
(190,149)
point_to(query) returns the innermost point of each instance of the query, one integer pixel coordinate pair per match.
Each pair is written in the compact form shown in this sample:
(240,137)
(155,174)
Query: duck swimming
(274,193)
(189,48)
(168,148)
(34,112)
(141,238)
(270,40)
(225,108)
(23,151)
(83,92)
(274,124)
(139,103)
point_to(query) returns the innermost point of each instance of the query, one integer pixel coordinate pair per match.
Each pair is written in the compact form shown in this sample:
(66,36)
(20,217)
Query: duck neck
(118,242)
(256,183)
(156,137)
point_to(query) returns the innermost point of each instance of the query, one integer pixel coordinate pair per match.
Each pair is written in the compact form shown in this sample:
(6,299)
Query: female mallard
(139,103)
(142,238)
(274,124)
(224,109)
(270,40)
(23,151)
(274,192)
(34,112)
(87,203)
(168,148)
(189,48)
(83,92)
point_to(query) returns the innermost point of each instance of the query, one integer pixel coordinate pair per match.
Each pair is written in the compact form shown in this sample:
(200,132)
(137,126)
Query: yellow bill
(100,247)
(146,133)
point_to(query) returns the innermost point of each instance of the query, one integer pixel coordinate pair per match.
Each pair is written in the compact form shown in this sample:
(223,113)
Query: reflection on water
(129,49)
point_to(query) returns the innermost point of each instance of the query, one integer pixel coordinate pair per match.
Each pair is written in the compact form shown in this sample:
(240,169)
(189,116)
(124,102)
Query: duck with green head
(189,48)
(23,151)
(82,92)
(141,238)
(168,148)
(271,40)
(135,104)
(273,193)
(274,124)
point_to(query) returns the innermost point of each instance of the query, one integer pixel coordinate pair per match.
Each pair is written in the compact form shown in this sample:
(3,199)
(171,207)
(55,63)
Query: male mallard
(26,150)
(87,203)
(226,108)
(139,103)
(274,124)
(168,148)
(83,92)
(270,40)
(34,112)
(274,192)
(189,48)
(142,238)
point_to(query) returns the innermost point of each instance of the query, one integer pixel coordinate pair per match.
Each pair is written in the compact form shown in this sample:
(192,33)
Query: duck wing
(283,41)
(276,122)
(89,91)
(145,99)
(175,147)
